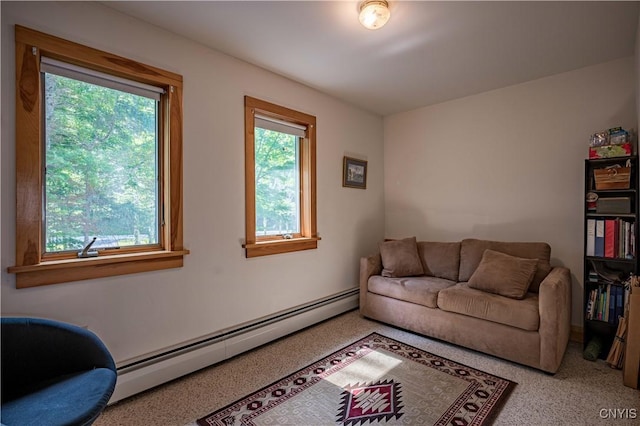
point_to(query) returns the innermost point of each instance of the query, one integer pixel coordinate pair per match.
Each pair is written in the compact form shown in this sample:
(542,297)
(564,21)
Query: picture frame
(354,173)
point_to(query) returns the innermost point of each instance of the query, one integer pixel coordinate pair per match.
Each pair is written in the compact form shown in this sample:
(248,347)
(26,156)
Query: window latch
(85,252)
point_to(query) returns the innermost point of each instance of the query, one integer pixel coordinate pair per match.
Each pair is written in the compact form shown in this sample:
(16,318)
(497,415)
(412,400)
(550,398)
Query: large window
(280,179)
(98,163)
(101,158)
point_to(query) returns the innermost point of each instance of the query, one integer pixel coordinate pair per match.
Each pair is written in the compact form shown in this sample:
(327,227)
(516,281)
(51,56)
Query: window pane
(101,156)
(277,183)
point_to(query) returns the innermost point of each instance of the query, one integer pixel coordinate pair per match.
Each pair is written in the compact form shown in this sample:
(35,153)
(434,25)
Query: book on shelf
(589,310)
(626,237)
(611,238)
(591,237)
(610,233)
(605,303)
(620,301)
(611,301)
(632,240)
(599,241)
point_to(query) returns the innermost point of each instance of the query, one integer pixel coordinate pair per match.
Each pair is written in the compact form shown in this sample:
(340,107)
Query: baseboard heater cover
(163,366)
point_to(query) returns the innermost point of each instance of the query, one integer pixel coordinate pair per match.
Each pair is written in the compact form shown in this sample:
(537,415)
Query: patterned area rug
(376,380)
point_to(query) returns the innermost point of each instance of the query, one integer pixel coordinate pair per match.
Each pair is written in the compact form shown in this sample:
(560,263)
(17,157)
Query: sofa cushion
(419,290)
(471,252)
(440,260)
(502,274)
(461,299)
(400,258)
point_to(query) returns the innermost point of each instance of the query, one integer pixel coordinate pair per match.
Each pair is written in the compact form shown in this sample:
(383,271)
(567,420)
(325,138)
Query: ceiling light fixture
(374,13)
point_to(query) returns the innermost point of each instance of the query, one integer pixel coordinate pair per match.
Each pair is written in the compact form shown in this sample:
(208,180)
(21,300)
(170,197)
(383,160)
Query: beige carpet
(576,395)
(374,380)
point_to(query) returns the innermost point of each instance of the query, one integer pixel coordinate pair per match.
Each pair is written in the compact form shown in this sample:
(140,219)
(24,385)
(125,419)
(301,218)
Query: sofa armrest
(555,317)
(369,266)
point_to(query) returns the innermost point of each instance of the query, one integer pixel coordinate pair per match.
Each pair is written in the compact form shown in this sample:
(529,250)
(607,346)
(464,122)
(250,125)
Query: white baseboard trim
(146,372)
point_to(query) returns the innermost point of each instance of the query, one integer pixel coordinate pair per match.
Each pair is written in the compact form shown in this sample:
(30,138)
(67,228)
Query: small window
(280,179)
(277,181)
(98,163)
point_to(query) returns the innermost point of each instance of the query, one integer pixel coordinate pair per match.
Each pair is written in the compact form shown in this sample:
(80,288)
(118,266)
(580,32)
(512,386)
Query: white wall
(218,287)
(506,164)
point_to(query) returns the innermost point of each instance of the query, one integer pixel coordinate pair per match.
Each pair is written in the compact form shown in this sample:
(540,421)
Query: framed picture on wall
(354,173)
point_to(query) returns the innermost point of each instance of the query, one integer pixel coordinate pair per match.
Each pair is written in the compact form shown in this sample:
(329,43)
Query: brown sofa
(440,303)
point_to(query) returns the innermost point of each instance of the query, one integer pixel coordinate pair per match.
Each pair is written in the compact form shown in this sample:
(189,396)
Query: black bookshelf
(610,256)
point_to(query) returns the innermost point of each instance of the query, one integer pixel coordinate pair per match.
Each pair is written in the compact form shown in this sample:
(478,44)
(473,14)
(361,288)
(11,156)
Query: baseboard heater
(153,369)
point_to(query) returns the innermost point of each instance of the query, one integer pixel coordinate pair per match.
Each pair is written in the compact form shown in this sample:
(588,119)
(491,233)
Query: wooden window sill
(265,248)
(67,270)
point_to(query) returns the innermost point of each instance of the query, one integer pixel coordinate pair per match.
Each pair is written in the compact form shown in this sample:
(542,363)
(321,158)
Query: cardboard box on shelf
(632,349)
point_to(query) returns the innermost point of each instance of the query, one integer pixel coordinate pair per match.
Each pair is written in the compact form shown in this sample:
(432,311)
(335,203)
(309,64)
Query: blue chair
(53,373)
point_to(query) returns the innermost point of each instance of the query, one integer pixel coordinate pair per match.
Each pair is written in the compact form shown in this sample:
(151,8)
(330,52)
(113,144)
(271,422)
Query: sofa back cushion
(400,258)
(440,260)
(471,251)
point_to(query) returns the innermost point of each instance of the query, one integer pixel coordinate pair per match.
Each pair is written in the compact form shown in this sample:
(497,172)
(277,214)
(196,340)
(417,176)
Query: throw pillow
(400,258)
(503,274)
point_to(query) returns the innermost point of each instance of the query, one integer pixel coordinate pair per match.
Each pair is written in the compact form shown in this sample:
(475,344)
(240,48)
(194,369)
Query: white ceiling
(428,52)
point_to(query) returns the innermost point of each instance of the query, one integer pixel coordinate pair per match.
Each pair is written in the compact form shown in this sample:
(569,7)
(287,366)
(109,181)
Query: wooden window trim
(34,269)
(308,237)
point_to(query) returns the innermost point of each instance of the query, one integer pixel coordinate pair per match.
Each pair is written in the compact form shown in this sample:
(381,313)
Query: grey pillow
(400,258)
(503,274)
